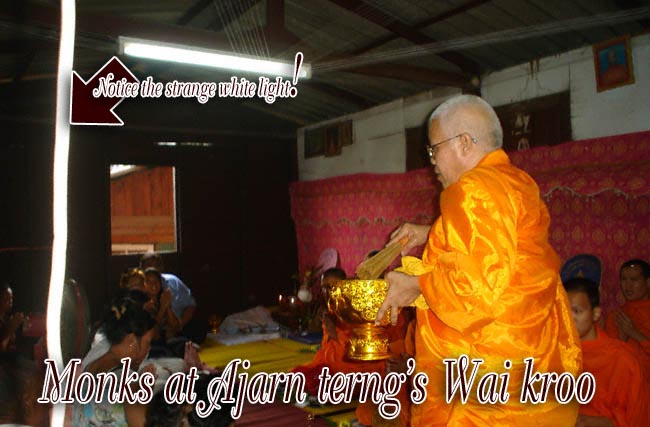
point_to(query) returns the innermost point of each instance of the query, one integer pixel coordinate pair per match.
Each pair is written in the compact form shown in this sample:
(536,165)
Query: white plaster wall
(379,138)
(620,110)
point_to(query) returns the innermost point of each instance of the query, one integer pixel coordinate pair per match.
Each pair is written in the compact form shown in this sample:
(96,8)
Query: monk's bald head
(470,114)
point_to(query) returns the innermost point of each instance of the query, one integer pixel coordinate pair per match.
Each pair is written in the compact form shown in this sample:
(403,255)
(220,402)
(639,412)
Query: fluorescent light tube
(181,54)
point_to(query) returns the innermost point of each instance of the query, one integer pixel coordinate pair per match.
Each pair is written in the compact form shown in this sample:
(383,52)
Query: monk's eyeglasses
(432,148)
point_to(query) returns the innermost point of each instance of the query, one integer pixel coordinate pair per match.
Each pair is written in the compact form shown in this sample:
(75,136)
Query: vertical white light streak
(60,191)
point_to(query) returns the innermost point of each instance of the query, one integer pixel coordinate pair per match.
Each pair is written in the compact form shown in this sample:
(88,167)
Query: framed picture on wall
(536,122)
(613,63)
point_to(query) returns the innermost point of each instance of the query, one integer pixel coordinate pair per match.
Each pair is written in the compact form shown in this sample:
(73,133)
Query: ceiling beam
(276,113)
(193,11)
(633,4)
(280,39)
(337,92)
(244,7)
(276,31)
(415,74)
(393,25)
(14,46)
(22,65)
(463,8)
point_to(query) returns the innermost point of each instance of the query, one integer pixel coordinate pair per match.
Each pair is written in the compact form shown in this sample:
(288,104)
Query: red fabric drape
(597,190)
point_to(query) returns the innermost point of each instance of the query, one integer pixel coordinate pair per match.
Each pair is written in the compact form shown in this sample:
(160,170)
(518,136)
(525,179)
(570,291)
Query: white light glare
(60,194)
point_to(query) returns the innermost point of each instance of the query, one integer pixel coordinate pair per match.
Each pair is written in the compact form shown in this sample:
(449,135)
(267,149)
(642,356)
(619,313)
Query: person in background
(9,323)
(182,303)
(622,391)
(159,304)
(631,322)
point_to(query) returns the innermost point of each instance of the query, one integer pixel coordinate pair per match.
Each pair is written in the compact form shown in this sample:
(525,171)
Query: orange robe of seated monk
(490,282)
(639,312)
(622,394)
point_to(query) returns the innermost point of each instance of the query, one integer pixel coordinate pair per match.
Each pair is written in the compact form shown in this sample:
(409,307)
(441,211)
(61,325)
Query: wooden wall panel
(142,206)
(145,192)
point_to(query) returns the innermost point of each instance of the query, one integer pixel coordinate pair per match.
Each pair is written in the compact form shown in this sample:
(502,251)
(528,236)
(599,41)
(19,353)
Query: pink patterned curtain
(597,190)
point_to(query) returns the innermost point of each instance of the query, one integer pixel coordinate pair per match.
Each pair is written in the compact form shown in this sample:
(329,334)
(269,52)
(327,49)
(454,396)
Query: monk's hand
(627,327)
(416,235)
(403,289)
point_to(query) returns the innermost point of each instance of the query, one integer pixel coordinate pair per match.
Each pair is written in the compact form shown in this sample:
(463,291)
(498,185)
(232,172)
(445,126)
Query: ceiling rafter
(633,4)
(22,65)
(415,74)
(193,11)
(337,92)
(280,38)
(245,7)
(387,22)
(472,4)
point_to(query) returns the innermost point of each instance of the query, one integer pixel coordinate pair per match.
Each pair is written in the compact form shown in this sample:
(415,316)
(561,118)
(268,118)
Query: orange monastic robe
(639,312)
(622,394)
(493,292)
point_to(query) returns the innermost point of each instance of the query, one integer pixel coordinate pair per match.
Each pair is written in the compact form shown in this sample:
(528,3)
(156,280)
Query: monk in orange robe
(488,284)
(622,393)
(631,323)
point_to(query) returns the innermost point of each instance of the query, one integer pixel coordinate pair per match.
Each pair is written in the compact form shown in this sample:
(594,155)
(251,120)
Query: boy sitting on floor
(631,322)
(622,391)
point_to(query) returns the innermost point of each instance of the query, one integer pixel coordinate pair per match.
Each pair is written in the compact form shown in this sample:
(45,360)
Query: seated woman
(631,322)
(128,328)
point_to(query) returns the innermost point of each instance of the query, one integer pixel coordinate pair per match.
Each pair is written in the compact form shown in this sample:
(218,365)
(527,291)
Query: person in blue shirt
(183,303)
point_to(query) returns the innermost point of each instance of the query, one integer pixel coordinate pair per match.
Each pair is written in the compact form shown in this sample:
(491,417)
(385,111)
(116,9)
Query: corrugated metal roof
(323,30)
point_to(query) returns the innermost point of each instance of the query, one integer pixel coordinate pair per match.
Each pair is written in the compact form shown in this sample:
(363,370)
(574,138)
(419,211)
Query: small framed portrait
(613,63)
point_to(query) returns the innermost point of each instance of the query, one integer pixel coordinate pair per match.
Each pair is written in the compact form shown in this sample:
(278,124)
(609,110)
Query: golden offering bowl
(356,302)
